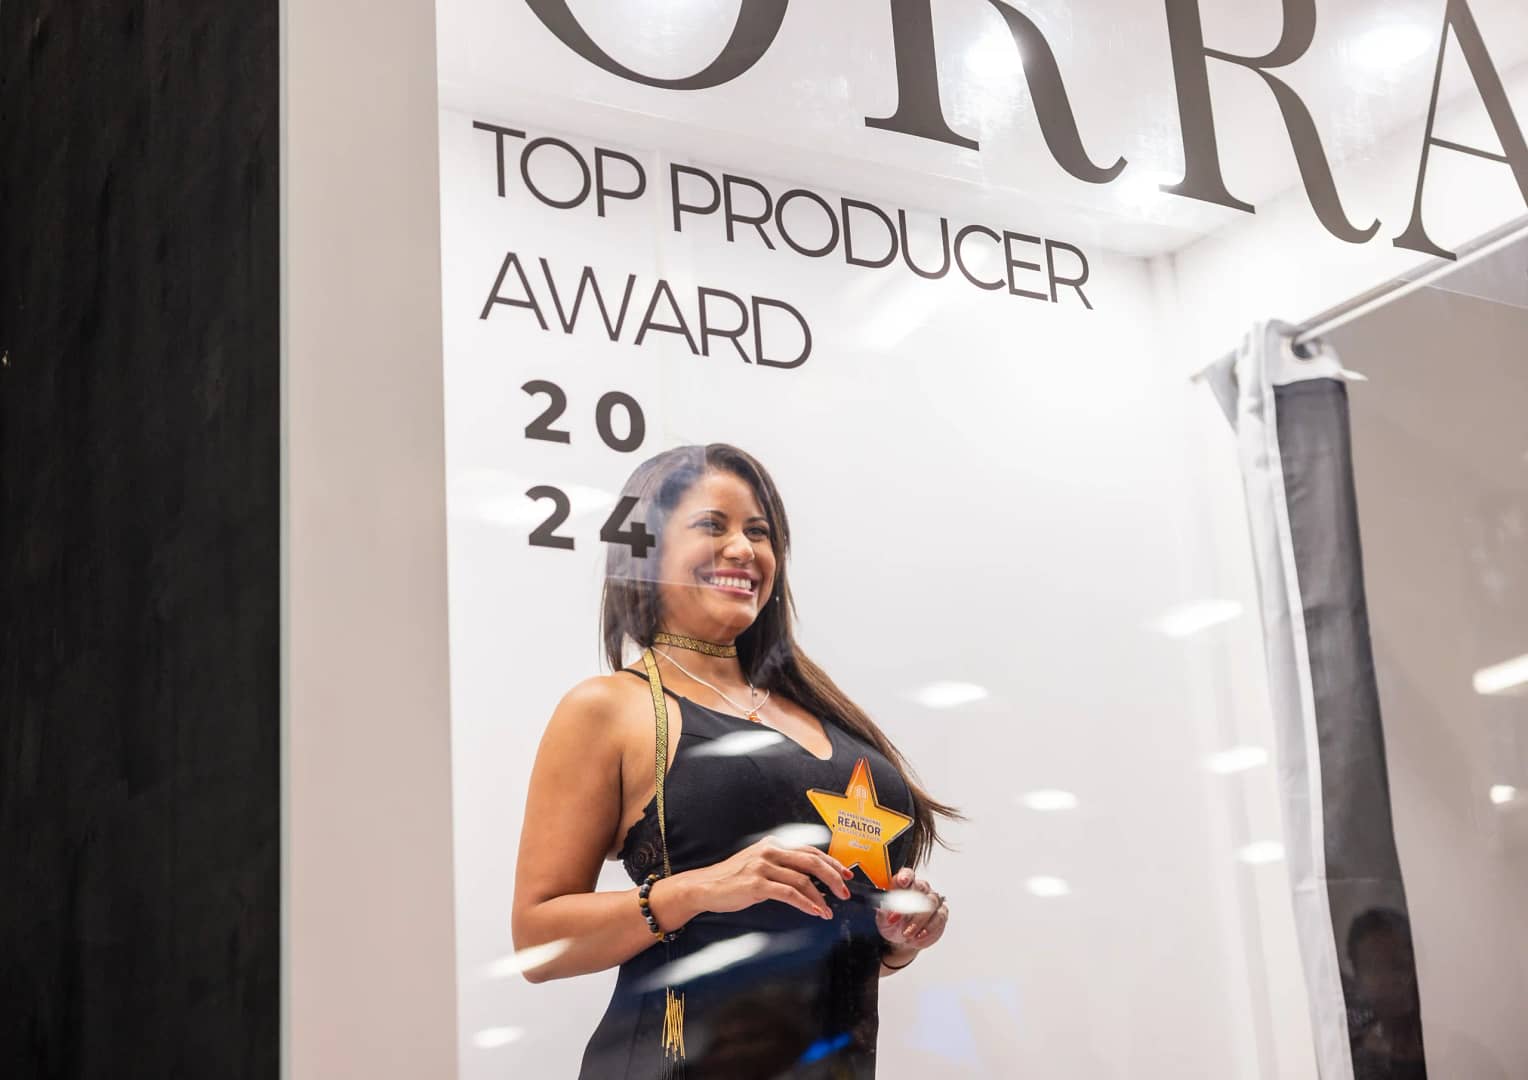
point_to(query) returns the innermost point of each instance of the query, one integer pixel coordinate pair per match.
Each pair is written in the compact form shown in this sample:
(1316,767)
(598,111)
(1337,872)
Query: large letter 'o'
(758,21)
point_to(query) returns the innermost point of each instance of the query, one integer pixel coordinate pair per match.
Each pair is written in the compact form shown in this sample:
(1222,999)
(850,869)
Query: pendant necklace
(753,694)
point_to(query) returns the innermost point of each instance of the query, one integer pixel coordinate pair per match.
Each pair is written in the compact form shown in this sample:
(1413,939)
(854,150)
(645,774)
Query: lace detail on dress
(642,853)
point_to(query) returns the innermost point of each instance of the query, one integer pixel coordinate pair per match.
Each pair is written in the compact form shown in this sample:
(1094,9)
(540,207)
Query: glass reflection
(1384,1011)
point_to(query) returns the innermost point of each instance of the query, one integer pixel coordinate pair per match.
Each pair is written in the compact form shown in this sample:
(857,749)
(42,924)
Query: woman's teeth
(731,582)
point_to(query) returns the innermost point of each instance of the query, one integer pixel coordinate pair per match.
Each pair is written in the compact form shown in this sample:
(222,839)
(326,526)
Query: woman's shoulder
(608,716)
(598,714)
(603,698)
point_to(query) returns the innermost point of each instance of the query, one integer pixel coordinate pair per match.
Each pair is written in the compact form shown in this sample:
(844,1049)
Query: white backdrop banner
(942,268)
(971,431)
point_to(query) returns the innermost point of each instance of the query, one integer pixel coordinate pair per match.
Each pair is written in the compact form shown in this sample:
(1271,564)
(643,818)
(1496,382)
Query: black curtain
(139,539)
(1291,416)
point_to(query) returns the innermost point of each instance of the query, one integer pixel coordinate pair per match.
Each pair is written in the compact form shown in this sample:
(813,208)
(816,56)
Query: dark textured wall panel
(139,533)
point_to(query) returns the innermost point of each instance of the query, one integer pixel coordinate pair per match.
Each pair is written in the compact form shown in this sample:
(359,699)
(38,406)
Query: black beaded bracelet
(647,913)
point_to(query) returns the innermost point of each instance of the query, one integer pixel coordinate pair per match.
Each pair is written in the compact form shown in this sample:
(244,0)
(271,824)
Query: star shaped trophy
(861,827)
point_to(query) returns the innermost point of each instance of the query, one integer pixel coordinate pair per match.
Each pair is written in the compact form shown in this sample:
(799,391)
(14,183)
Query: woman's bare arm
(572,811)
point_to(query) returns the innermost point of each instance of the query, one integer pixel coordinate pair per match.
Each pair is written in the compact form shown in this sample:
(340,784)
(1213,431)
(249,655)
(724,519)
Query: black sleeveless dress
(784,993)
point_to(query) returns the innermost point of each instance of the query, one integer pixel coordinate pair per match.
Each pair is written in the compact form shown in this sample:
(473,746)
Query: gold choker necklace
(694,644)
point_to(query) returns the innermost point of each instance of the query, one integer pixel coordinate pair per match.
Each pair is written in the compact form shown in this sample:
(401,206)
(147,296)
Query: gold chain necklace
(752,714)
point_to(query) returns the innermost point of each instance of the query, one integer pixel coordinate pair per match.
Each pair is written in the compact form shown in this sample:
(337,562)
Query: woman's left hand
(914,929)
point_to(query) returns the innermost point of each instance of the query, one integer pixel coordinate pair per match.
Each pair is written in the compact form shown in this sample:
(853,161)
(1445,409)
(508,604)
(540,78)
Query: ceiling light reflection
(991,55)
(525,959)
(708,960)
(1142,188)
(499,498)
(1190,619)
(906,309)
(1261,852)
(1391,45)
(1502,794)
(1047,886)
(493,1038)
(947,695)
(1504,678)
(906,901)
(1050,799)
(739,743)
(1237,759)
(799,835)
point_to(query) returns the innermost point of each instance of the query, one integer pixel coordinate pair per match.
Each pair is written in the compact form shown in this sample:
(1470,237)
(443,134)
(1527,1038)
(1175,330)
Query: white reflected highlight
(1047,887)
(709,960)
(1049,799)
(947,695)
(525,959)
(1391,45)
(1191,619)
(1502,794)
(739,744)
(1261,852)
(986,80)
(1505,678)
(1237,759)
(906,309)
(1142,189)
(499,498)
(991,56)
(800,834)
(907,902)
(493,1038)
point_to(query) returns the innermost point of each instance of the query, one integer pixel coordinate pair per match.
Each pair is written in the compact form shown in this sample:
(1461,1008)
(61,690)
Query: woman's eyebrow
(723,515)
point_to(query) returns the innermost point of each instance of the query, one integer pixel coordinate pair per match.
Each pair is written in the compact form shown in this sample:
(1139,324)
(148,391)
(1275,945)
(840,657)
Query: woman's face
(1386,970)
(717,567)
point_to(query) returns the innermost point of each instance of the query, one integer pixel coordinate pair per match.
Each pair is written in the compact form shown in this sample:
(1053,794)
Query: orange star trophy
(861,827)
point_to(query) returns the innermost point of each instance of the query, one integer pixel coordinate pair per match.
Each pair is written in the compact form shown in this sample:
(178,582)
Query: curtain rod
(1397,287)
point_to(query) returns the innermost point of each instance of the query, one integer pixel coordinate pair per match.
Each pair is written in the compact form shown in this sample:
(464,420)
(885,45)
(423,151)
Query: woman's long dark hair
(767,650)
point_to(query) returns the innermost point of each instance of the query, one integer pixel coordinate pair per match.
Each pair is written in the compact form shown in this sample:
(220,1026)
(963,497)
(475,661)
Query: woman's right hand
(769,870)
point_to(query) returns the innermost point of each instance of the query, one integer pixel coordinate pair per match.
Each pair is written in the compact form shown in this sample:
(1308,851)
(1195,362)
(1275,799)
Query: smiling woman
(714,977)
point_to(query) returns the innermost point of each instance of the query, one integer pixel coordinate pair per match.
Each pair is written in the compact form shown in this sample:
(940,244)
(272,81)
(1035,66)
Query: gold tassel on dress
(673,1026)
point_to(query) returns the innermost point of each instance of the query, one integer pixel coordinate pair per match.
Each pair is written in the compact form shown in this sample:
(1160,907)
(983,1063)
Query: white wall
(367,959)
